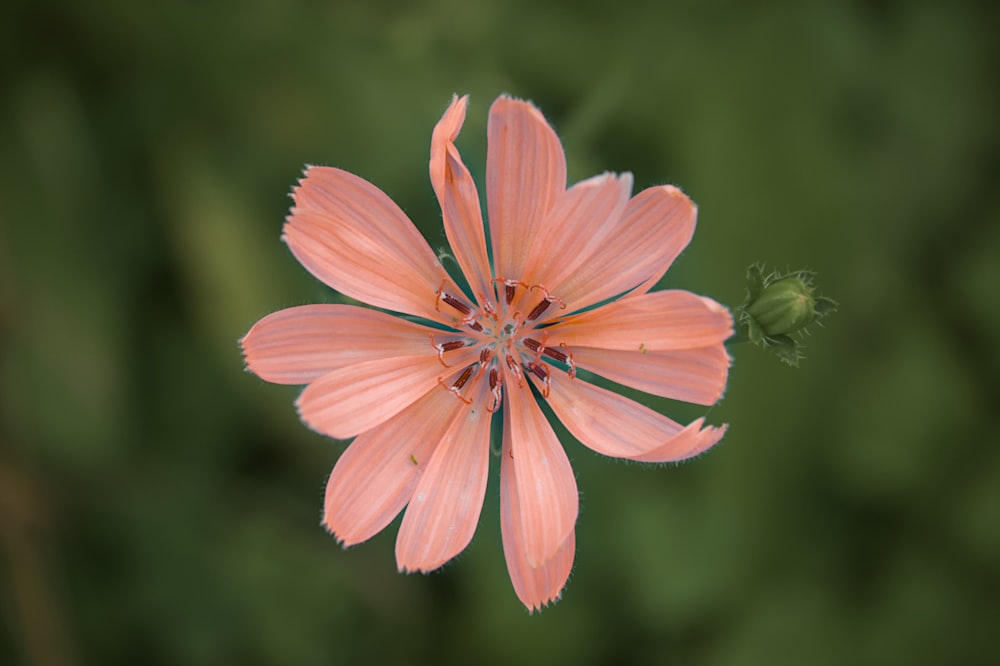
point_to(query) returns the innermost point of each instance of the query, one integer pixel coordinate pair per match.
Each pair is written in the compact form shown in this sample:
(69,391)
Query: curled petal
(375,477)
(525,174)
(301,344)
(616,426)
(657,225)
(459,200)
(691,375)
(351,400)
(352,236)
(535,586)
(443,136)
(546,488)
(444,510)
(659,321)
(694,438)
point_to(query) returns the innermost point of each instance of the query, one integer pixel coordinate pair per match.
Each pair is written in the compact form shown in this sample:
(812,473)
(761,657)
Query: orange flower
(566,292)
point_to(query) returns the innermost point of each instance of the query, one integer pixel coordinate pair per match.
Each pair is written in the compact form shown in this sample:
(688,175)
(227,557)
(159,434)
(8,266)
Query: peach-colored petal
(581,221)
(301,344)
(535,586)
(375,477)
(444,510)
(616,426)
(525,174)
(691,375)
(546,487)
(459,200)
(692,441)
(356,398)
(444,135)
(657,225)
(353,237)
(658,321)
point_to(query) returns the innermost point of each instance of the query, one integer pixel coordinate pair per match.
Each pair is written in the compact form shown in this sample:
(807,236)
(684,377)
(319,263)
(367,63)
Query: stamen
(567,358)
(548,300)
(538,347)
(459,383)
(485,356)
(556,354)
(495,390)
(488,311)
(454,302)
(539,309)
(515,368)
(509,288)
(457,304)
(463,378)
(562,355)
(569,361)
(443,347)
(541,370)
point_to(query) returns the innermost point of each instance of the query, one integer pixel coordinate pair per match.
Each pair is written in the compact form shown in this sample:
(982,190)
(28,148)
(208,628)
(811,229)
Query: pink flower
(566,293)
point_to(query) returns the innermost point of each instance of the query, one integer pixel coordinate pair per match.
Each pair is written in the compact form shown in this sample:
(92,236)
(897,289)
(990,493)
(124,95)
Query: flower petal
(525,174)
(444,510)
(546,487)
(377,474)
(620,427)
(657,225)
(352,236)
(459,200)
(301,344)
(690,442)
(659,321)
(581,220)
(351,400)
(691,375)
(535,586)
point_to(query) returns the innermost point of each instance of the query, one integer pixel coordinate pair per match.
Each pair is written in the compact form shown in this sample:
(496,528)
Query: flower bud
(778,305)
(785,306)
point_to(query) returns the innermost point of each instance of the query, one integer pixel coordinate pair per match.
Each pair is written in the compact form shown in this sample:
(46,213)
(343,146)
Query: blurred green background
(159,505)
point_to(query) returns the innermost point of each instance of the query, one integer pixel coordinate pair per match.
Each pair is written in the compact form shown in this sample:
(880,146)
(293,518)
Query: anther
(459,383)
(485,356)
(443,347)
(495,391)
(509,288)
(454,302)
(541,370)
(539,310)
(547,300)
(457,304)
(462,378)
(555,354)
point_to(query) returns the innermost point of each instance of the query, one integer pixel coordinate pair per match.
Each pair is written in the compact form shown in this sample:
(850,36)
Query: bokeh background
(159,505)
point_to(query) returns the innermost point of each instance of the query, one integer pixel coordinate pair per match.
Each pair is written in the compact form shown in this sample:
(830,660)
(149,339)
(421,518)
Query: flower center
(512,344)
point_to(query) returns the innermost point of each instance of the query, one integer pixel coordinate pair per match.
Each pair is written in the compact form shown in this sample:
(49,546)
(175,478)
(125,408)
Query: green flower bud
(777,306)
(785,306)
